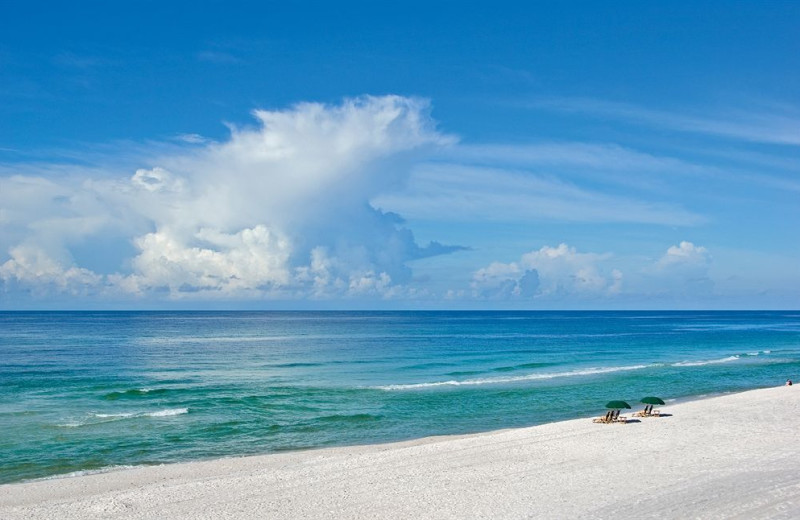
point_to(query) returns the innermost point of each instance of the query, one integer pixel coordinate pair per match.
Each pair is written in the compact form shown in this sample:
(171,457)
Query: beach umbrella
(652,400)
(617,405)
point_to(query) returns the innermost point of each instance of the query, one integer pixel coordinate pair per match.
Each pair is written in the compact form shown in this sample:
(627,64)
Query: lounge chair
(648,410)
(605,419)
(619,418)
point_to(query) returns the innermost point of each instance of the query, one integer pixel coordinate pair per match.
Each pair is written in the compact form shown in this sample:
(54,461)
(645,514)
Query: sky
(399,155)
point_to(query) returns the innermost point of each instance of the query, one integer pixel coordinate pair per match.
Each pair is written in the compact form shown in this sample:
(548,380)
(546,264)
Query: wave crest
(514,379)
(706,362)
(167,413)
(108,417)
(134,393)
(160,413)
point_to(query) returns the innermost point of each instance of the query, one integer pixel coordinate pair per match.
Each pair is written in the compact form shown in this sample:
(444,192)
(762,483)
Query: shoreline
(727,455)
(126,467)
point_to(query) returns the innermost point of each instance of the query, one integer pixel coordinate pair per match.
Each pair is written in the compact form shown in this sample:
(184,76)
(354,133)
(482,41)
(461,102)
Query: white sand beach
(734,456)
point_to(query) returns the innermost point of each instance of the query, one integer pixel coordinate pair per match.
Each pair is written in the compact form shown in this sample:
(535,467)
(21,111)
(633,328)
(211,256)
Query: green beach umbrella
(652,400)
(617,404)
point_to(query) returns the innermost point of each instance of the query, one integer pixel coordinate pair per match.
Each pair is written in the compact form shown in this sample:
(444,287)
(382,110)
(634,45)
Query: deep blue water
(81,391)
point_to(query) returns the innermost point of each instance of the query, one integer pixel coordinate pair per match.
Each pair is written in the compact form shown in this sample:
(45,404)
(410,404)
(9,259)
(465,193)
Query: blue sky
(416,155)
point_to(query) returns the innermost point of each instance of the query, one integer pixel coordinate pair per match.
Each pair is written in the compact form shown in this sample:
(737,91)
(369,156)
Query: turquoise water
(82,391)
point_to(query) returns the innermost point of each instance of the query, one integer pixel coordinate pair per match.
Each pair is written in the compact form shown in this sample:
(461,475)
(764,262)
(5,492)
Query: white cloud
(249,259)
(191,138)
(31,265)
(679,277)
(472,192)
(686,264)
(681,274)
(590,156)
(156,179)
(685,254)
(53,214)
(279,210)
(775,125)
(549,272)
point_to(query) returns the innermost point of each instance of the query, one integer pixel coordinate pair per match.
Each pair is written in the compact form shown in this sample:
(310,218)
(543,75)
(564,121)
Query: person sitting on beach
(788,382)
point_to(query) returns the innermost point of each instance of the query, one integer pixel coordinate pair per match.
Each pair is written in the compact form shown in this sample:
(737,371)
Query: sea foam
(127,415)
(514,379)
(707,362)
(167,413)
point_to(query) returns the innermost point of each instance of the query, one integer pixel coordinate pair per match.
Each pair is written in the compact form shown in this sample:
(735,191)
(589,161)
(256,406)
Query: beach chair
(617,418)
(646,412)
(605,419)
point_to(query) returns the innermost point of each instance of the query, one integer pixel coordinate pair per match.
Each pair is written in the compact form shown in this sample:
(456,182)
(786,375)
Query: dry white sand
(735,456)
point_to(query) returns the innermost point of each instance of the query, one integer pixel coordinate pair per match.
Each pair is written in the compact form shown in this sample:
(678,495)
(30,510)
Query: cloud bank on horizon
(309,204)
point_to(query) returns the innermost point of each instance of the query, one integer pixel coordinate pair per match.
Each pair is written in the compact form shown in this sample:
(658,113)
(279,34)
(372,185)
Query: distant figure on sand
(788,382)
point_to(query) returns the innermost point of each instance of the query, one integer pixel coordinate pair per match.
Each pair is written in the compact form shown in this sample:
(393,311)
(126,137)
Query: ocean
(89,391)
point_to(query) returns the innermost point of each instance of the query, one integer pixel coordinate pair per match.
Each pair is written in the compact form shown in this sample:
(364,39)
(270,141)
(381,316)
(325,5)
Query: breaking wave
(728,359)
(160,413)
(167,413)
(707,362)
(107,417)
(514,379)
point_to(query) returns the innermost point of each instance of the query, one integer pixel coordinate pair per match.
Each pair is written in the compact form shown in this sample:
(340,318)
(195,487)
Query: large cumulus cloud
(278,210)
